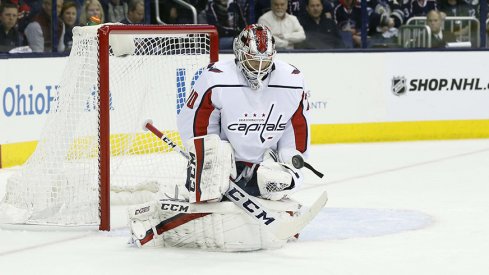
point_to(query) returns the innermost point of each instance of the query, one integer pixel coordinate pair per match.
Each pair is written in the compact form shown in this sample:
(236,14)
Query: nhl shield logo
(399,85)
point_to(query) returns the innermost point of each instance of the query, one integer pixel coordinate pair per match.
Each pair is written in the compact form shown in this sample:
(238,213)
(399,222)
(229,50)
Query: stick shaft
(166,139)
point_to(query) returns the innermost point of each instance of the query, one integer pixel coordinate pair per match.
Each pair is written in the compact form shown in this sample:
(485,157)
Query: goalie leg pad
(149,221)
(210,166)
(229,230)
(143,219)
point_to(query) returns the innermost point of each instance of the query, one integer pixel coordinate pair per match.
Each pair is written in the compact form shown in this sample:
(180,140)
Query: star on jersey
(255,115)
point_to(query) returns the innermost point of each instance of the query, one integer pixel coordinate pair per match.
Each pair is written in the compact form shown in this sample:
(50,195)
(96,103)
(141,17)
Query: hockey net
(93,139)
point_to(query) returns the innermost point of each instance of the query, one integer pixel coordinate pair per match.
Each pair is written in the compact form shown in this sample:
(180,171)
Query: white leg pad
(230,229)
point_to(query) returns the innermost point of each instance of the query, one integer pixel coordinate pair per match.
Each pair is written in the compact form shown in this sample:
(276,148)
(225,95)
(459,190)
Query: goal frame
(103,34)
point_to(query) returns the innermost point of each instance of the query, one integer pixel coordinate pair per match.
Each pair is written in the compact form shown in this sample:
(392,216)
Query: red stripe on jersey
(261,39)
(299,124)
(203,115)
(199,165)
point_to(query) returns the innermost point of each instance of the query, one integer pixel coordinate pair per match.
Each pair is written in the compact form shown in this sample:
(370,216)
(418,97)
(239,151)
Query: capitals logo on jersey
(259,123)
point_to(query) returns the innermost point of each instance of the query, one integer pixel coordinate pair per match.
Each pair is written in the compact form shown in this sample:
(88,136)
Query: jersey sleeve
(297,132)
(200,115)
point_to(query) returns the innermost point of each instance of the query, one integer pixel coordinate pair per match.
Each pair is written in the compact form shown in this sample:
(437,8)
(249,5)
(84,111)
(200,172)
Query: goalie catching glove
(276,179)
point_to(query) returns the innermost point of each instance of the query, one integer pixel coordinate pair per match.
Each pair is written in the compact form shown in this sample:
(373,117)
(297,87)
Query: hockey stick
(281,228)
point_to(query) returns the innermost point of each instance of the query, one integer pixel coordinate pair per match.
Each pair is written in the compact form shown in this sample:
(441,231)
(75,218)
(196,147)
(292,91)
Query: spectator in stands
(465,30)
(294,7)
(69,15)
(297,8)
(348,17)
(422,7)
(228,17)
(172,13)
(168,12)
(91,8)
(285,28)
(199,5)
(439,37)
(10,37)
(135,12)
(391,12)
(474,7)
(114,10)
(456,8)
(321,32)
(261,7)
(382,32)
(246,7)
(385,19)
(24,9)
(27,9)
(38,32)
(328,8)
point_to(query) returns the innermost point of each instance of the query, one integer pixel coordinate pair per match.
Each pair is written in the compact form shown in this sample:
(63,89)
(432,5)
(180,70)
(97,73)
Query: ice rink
(394,208)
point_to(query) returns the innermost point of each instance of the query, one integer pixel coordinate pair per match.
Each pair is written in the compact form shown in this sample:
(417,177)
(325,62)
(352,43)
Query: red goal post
(103,36)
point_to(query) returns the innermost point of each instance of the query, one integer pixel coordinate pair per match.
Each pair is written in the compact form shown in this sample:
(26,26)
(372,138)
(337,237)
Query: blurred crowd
(296,24)
(28,24)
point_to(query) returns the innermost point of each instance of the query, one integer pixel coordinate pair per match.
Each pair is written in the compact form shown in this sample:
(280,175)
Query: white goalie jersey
(274,116)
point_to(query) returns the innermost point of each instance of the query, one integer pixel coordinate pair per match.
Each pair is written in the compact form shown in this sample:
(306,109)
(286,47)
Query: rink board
(353,97)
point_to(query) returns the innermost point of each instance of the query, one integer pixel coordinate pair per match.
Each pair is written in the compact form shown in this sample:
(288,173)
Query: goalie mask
(254,49)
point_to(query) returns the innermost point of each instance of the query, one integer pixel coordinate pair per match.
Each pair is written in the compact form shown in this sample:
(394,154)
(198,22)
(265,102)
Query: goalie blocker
(210,166)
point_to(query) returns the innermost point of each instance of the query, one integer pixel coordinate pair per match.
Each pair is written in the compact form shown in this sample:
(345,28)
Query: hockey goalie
(242,125)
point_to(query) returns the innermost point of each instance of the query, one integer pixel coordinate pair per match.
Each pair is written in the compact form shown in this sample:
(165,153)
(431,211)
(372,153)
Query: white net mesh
(59,183)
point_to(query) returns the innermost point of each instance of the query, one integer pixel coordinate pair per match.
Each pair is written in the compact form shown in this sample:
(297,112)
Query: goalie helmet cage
(116,77)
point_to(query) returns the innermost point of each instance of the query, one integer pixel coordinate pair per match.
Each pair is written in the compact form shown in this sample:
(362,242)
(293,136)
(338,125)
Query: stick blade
(288,228)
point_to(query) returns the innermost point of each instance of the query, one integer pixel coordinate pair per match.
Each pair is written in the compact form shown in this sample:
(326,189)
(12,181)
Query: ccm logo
(174,207)
(141,210)
(250,206)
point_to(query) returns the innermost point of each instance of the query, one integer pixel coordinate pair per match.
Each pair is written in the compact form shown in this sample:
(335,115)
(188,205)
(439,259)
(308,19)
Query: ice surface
(394,208)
